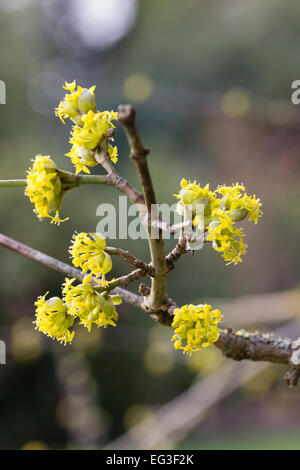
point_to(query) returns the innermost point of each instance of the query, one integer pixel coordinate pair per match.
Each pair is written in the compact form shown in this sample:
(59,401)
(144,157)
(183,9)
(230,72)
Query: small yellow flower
(82,158)
(193,194)
(196,327)
(91,127)
(92,133)
(112,152)
(222,208)
(226,237)
(44,188)
(76,103)
(91,307)
(53,320)
(88,253)
(238,204)
(197,201)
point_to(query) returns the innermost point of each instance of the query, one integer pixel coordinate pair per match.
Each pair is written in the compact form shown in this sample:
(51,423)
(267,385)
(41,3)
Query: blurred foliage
(211,84)
(248,441)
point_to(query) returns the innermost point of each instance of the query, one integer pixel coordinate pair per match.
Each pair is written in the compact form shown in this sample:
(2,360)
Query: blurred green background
(211,82)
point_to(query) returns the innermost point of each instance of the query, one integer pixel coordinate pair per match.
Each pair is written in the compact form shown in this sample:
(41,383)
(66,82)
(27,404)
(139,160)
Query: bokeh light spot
(136,414)
(138,88)
(35,445)
(235,103)
(158,359)
(25,341)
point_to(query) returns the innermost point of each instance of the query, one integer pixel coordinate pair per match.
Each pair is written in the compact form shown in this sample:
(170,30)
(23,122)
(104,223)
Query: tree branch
(266,347)
(137,263)
(133,276)
(182,414)
(175,254)
(12,183)
(242,345)
(122,184)
(138,154)
(126,115)
(67,178)
(71,178)
(70,271)
(238,346)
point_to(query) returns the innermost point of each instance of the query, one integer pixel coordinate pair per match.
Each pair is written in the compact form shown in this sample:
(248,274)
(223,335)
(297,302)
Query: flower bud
(84,302)
(110,133)
(203,221)
(53,320)
(55,203)
(57,186)
(88,253)
(238,214)
(49,165)
(116,299)
(86,101)
(44,188)
(76,103)
(94,315)
(87,156)
(70,108)
(57,304)
(108,308)
(225,203)
(187,196)
(199,204)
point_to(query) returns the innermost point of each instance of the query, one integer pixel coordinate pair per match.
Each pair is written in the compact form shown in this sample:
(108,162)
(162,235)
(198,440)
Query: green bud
(116,299)
(54,204)
(238,214)
(77,119)
(49,168)
(108,308)
(86,101)
(187,196)
(69,321)
(202,203)
(94,314)
(86,156)
(56,303)
(57,186)
(101,299)
(110,133)
(70,107)
(225,203)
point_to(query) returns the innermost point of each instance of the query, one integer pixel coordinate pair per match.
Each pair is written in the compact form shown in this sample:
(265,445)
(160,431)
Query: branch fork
(154,300)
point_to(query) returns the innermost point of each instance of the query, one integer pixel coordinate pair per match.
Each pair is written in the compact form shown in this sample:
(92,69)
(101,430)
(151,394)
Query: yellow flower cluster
(89,136)
(75,103)
(53,320)
(82,158)
(90,306)
(91,129)
(226,238)
(192,193)
(238,204)
(196,327)
(95,126)
(222,208)
(88,253)
(44,188)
